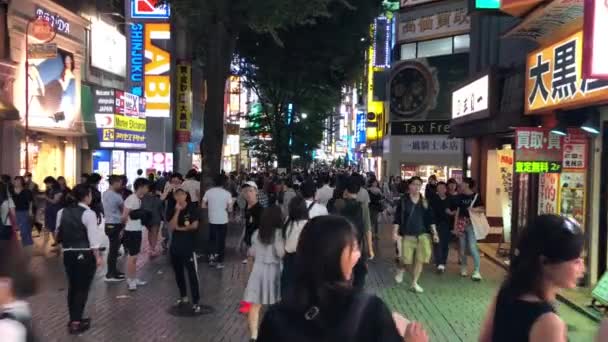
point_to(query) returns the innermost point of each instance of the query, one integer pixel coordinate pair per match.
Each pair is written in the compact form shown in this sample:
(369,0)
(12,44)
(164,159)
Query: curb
(580,309)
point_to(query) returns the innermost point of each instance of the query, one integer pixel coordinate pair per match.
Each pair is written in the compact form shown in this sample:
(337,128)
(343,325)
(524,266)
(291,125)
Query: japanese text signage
(438,21)
(58,23)
(184,103)
(430,145)
(537,151)
(472,98)
(554,78)
(548,193)
(420,127)
(596,50)
(361,120)
(575,150)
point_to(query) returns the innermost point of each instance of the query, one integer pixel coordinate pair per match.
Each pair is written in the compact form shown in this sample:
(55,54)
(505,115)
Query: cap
(250,184)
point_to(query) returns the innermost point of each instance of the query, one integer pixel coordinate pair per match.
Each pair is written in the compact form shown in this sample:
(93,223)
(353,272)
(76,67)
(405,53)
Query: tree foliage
(214,26)
(304,74)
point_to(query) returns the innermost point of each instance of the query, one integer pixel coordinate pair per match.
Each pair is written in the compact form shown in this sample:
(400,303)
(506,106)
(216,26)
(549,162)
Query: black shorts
(132,242)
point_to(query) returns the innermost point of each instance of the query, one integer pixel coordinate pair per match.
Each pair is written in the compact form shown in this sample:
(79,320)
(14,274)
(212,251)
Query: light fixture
(591,125)
(560,129)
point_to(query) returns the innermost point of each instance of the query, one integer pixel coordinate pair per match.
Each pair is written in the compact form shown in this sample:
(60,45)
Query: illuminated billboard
(149,9)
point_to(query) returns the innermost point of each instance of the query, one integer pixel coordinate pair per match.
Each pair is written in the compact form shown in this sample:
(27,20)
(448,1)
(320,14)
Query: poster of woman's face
(52,91)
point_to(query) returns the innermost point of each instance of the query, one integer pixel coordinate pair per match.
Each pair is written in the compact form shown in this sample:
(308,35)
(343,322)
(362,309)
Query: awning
(8,111)
(550,22)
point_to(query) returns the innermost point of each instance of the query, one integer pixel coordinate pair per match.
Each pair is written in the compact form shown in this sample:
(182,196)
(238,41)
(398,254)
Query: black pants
(443,247)
(218,232)
(287,273)
(80,268)
(180,262)
(359,274)
(113,232)
(373,215)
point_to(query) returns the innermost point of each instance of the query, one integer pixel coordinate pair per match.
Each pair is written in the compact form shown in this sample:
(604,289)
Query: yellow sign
(184,103)
(128,123)
(554,81)
(377,107)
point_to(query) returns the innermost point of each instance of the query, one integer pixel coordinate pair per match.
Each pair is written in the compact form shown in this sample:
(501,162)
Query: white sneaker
(416,288)
(131,285)
(245,261)
(476,276)
(140,282)
(399,277)
(441,268)
(464,273)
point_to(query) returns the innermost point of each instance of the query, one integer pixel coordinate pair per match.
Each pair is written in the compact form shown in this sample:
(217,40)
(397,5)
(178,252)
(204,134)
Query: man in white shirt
(192,186)
(134,230)
(219,202)
(326,192)
(308,190)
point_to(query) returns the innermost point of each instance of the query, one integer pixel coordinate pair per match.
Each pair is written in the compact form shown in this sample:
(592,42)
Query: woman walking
(81,238)
(23,199)
(547,259)
(298,216)
(184,225)
(263,287)
(324,305)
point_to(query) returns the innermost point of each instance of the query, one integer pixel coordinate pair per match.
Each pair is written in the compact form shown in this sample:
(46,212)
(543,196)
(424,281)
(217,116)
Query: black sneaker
(112,278)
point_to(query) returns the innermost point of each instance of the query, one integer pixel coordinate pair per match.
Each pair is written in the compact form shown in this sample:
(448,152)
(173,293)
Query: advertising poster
(133,164)
(572,196)
(548,193)
(505,172)
(153,162)
(575,150)
(118,162)
(52,92)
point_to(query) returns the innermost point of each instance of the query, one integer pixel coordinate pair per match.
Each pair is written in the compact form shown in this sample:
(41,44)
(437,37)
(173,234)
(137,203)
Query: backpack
(27,323)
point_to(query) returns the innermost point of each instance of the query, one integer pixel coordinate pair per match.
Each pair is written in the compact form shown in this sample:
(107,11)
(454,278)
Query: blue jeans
(25,227)
(468,238)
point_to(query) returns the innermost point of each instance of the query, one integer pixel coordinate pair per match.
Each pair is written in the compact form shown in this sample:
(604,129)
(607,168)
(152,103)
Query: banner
(575,150)
(572,196)
(184,103)
(537,150)
(548,193)
(505,172)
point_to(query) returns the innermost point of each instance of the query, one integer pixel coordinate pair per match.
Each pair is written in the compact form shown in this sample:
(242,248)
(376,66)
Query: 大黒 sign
(554,78)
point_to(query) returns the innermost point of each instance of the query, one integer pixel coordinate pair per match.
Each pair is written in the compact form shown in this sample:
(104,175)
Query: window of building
(461,43)
(435,47)
(408,51)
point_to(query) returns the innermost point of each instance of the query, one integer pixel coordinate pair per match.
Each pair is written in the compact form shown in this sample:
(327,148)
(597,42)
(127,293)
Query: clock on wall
(413,89)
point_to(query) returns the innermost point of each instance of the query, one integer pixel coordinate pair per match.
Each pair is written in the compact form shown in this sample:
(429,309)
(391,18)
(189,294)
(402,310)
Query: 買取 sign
(537,150)
(554,78)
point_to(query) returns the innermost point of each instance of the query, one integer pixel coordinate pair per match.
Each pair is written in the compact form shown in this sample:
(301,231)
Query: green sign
(538,167)
(600,292)
(487,4)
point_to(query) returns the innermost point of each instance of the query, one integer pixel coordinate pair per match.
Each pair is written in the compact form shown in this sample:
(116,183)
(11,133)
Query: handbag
(479,221)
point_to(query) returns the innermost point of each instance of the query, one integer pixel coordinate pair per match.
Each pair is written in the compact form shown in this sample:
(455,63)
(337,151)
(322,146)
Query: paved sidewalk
(451,307)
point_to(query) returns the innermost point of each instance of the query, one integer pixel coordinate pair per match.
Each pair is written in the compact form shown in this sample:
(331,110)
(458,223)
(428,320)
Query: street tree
(298,75)
(214,27)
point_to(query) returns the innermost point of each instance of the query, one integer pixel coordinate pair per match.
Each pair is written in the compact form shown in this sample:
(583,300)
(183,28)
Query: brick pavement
(451,307)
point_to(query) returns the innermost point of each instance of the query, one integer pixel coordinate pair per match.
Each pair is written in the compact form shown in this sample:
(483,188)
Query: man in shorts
(414,229)
(134,230)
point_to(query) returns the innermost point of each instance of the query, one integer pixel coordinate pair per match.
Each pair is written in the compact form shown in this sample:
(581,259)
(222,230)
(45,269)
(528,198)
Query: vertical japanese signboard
(554,78)
(548,193)
(505,171)
(537,151)
(361,120)
(184,103)
(575,150)
(148,55)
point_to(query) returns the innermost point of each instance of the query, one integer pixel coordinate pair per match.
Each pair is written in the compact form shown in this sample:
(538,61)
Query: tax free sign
(148,55)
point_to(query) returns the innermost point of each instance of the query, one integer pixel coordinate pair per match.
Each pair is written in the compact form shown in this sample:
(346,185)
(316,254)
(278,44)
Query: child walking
(267,249)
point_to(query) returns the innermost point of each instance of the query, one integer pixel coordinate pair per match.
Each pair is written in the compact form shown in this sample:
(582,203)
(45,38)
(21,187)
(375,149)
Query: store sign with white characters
(430,145)
(441,20)
(554,78)
(59,24)
(471,99)
(537,151)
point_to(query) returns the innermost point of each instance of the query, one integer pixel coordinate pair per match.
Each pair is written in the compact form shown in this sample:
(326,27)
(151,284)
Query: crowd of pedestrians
(307,239)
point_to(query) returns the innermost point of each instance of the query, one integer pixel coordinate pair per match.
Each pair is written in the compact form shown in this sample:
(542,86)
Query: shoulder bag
(479,221)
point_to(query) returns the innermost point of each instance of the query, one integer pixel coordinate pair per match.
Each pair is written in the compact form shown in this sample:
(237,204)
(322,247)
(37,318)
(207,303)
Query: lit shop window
(435,47)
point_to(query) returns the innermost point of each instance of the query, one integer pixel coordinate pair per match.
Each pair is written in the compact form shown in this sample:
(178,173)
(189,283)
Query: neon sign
(157,69)
(136,58)
(149,9)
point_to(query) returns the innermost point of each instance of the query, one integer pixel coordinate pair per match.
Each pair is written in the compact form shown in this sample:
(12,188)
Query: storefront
(56,126)
(123,162)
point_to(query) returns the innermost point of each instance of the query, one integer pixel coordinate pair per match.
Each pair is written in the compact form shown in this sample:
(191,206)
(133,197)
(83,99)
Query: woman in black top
(184,224)
(440,201)
(547,259)
(322,304)
(23,198)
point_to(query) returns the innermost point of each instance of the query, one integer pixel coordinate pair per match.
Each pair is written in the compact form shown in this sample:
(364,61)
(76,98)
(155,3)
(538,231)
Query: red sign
(575,150)
(537,144)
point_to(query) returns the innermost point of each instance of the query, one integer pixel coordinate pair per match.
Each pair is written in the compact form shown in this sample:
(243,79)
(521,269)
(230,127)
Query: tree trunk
(217,67)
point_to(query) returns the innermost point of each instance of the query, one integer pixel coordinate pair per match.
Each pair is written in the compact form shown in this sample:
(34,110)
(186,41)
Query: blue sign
(119,138)
(135,59)
(149,9)
(361,121)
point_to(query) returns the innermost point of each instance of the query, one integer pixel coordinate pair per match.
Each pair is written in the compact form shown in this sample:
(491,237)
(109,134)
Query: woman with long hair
(268,247)
(546,260)
(296,220)
(323,305)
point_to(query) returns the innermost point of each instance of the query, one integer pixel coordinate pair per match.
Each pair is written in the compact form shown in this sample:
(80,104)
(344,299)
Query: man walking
(219,203)
(133,215)
(308,190)
(112,210)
